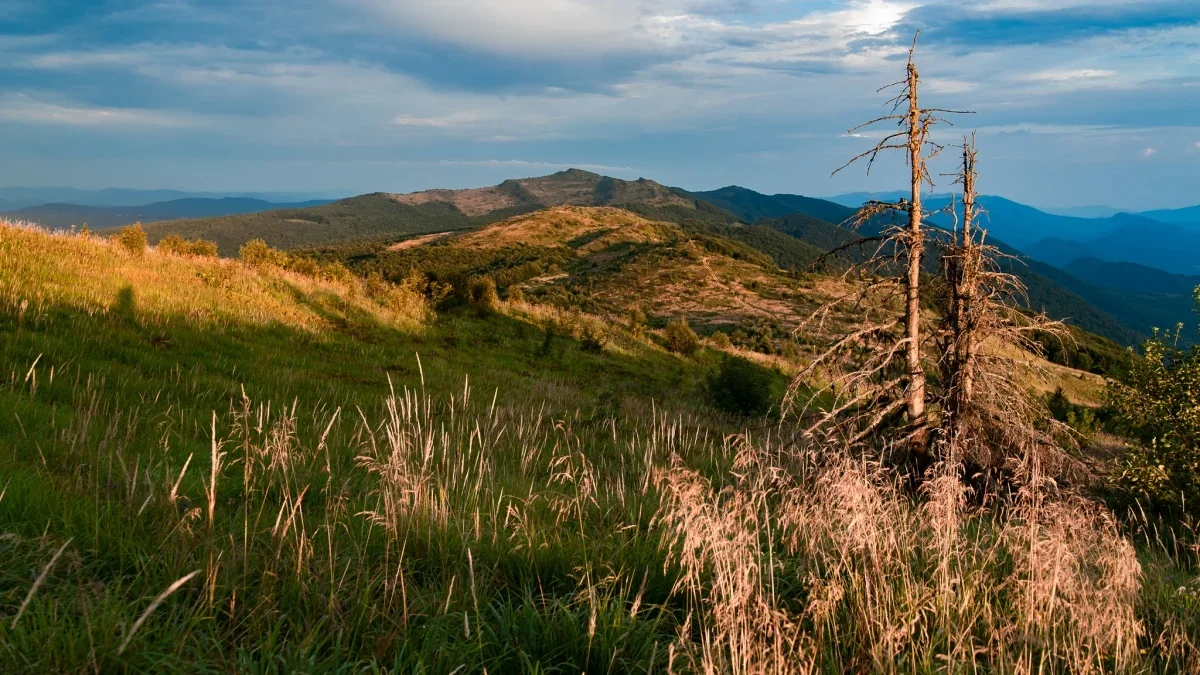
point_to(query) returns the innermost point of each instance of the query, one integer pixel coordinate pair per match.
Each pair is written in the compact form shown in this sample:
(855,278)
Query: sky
(1075,102)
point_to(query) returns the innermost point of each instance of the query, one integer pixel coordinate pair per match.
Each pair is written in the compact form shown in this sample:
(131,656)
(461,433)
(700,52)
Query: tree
(871,390)
(988,414)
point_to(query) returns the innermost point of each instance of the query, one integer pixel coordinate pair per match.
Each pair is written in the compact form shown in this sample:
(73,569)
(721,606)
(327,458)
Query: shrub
(203,248)
(306,266)
(681,339)
(741,387)
(637,321)
(721,340)
(256,253)
(1158,408)
(593,335)
(482,293)
(336,271)
(374,286)
(516,295)
(133,239)
(177,245)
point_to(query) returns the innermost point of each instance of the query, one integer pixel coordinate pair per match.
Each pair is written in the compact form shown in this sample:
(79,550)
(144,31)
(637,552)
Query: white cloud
(22,108)
(457,119)
(1149,152)
(1061,75)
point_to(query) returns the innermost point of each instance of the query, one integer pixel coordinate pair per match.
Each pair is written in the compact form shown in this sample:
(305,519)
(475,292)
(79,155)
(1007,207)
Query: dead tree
(869,389)
(990,417)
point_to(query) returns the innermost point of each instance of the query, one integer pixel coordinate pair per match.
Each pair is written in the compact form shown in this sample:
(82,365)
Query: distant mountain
(1058,252)
(751,206)
(1098,211)
(1131,277)
(1121,298)
(385,215)
(101,217)
(15,198)
(1018,224)
(1139,240)
(1188,217)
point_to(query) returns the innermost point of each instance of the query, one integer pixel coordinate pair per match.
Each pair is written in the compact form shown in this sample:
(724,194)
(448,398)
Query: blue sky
(1077,101)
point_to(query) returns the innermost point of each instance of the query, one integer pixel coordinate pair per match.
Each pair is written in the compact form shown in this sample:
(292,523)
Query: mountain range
(792,229)
(58,215)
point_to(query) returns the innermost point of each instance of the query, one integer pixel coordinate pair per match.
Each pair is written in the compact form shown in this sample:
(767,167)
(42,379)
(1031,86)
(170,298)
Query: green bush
(177,245)
(256,253)
(721,340)
(306,266)
(1158,407)
(637,321)
(741,387)
(133,239)
(482,293)
(592,336)
(680,337)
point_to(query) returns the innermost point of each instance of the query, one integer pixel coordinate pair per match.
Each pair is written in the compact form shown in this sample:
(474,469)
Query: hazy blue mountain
(1018,224)
(1098,211)
(1057,251)
(1188,217)
(1131,277)
(15,198)
(100,217)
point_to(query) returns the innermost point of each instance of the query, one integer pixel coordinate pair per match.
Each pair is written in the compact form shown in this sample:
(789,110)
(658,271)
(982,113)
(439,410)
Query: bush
(306,266)
(482,294)
(336,271)
(721,340)
(177,245)
(637,321)
(741,387)
(1157,407)
(516,295)
(592,336)
(681,339)
(133,239)
(256,253)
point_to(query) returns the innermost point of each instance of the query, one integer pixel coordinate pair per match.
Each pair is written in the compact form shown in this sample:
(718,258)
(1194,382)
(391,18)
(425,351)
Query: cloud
(439,122)
(24,109)
(1060,75)
(1149,152)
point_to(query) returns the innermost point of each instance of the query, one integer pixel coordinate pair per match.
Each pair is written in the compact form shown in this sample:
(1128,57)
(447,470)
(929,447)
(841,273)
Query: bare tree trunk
(915,395)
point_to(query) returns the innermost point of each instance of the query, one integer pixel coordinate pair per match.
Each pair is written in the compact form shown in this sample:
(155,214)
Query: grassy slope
(509,521)
(109,393)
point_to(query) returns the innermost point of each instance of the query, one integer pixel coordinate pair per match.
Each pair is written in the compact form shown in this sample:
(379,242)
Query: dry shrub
(133,239)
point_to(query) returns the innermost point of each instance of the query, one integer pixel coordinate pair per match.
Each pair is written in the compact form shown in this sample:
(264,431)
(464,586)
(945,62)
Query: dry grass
(97,276)
(886,585)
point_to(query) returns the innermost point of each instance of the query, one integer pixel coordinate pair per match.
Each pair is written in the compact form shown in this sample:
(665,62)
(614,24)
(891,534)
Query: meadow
(211,467)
